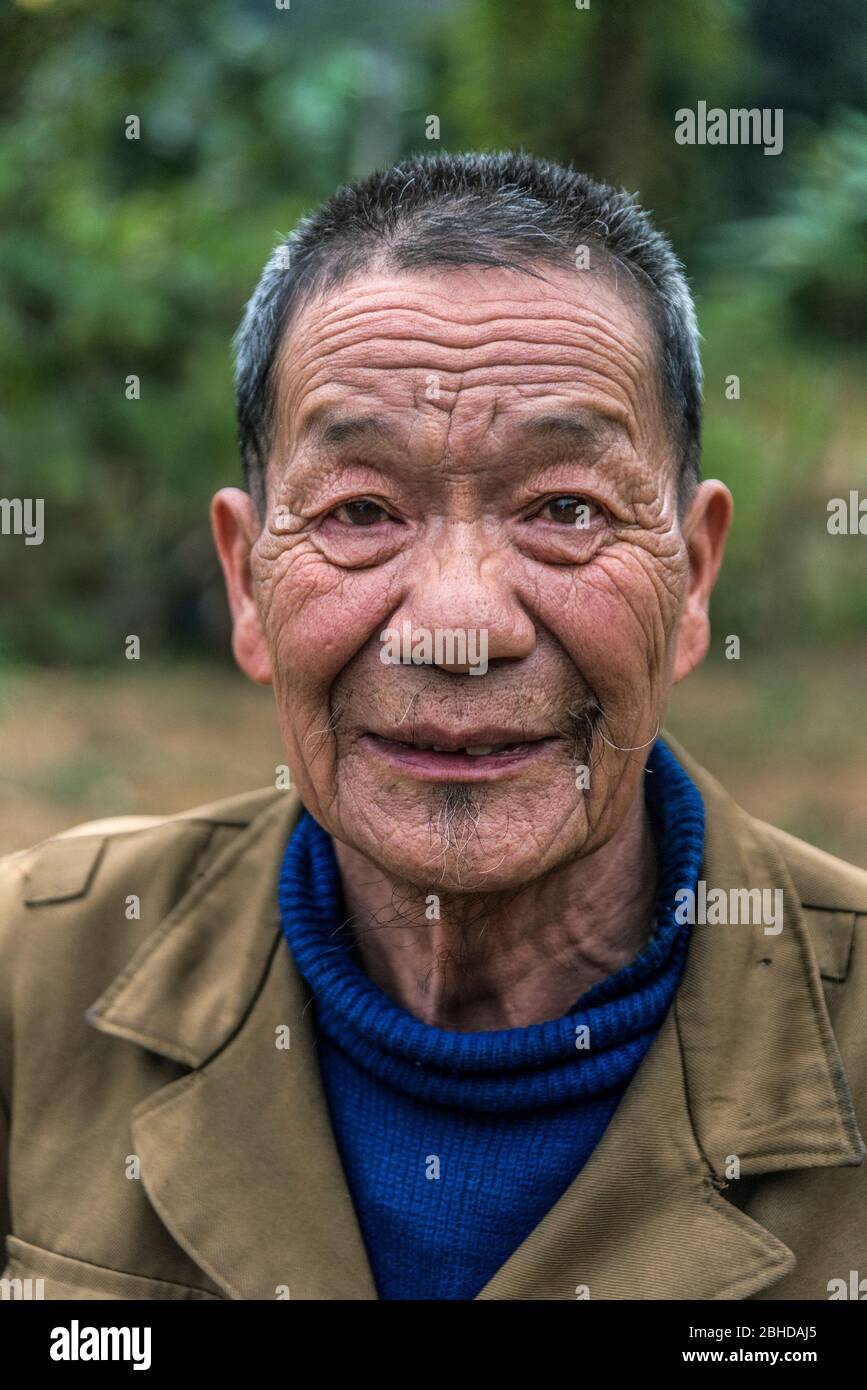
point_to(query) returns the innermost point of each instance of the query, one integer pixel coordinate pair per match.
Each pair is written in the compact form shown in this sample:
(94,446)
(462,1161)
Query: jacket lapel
(643,1219)
(238,1157)
(744,1077)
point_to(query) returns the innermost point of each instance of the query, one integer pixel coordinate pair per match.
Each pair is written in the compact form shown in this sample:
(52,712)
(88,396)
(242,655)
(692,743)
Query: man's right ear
(235,526)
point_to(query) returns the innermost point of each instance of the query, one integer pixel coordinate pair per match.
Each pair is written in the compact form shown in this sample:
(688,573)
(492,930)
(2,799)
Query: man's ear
(235,525)
(705,528)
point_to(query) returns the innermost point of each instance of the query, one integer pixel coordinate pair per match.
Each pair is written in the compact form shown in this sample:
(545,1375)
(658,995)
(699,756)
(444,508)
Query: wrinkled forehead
(472,349)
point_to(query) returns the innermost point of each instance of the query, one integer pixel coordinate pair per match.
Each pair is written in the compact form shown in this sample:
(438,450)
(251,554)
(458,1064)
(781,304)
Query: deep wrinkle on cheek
(332,615)
(619,618)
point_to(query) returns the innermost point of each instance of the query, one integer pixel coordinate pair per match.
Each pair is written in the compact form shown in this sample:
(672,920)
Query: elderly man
(505,998)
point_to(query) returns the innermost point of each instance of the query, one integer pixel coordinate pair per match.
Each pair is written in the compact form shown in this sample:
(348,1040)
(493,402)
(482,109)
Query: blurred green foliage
(120,256)
(813,245)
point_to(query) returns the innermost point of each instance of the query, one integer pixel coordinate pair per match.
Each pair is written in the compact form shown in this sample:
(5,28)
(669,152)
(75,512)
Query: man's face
(479,452)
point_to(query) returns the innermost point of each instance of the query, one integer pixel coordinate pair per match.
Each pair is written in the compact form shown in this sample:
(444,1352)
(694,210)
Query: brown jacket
(155,1142)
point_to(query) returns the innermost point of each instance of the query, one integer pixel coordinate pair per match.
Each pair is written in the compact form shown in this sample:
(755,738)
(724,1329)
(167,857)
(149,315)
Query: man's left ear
(235,524)
(705,528)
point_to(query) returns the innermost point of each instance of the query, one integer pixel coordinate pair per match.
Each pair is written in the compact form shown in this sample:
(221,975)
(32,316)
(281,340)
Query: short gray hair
(508,210)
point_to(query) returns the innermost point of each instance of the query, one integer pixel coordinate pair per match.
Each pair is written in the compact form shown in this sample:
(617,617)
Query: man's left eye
(570,510)
(361,511)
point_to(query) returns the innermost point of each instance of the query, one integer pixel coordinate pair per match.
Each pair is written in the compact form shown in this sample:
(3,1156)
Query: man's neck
(506,961)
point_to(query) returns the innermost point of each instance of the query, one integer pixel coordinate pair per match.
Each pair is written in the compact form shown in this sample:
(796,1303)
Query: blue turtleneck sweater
(456,1145)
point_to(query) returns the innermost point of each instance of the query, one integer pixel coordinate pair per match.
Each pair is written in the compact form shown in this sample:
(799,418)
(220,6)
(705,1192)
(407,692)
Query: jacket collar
(745,1067)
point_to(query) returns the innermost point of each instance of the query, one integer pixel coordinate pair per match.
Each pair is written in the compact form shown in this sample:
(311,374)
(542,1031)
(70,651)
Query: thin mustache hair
(583,725)
(331,727)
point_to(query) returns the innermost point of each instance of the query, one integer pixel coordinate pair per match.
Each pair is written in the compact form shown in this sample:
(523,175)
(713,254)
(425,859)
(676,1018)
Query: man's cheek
(303,683)
(330,609)
(637,605)
(293,624)
(609,623)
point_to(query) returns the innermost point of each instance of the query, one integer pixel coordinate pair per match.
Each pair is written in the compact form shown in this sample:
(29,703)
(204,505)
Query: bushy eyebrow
(578,428)
(329,431)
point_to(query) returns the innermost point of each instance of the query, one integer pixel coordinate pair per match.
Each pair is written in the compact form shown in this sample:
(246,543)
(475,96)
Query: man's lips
(468,757)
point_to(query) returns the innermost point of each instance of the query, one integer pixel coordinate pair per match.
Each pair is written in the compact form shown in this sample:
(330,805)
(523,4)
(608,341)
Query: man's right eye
(361,511)
(570,509)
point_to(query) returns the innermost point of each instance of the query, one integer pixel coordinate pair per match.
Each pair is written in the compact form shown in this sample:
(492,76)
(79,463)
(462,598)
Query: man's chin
(459,837)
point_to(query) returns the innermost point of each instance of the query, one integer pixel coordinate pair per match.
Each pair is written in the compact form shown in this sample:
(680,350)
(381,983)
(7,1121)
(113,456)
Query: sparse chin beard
(456,810)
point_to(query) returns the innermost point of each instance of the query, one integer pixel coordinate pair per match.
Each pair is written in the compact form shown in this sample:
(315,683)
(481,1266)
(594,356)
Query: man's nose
(463,588)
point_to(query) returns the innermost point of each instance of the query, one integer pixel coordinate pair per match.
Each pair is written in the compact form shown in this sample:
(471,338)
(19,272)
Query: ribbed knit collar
(506,1069)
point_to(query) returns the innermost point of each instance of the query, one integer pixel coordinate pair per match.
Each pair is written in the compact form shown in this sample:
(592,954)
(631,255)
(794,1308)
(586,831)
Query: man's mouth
(465,757)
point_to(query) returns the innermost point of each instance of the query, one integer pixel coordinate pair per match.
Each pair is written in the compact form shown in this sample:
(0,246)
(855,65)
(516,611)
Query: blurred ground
(785,734)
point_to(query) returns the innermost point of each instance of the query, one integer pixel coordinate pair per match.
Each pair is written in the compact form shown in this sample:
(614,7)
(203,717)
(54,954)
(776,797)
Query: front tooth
(437,749)
(481,750)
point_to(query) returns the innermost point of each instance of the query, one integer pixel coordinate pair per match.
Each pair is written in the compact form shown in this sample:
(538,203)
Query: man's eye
(570,511)
(361,512)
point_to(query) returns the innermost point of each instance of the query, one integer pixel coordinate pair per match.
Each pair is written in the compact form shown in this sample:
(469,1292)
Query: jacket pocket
(45,1274)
